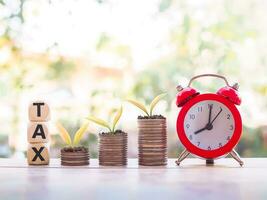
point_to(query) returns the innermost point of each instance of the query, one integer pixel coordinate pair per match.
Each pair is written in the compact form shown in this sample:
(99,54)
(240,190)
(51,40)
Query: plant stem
(150,114)
(146,113)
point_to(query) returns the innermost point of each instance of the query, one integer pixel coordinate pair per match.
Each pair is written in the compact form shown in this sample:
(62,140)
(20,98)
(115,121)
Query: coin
(112,163)
(151,121)
(153,163)
(74,164)
(147,151)
(161,141)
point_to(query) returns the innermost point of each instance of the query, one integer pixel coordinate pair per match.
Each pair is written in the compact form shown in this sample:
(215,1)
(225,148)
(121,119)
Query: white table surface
(192,180)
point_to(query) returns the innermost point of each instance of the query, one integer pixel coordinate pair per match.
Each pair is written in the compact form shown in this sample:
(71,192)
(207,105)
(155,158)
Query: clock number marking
(228,138)
(228,116)
(209,148)
(198,143)
(190,137)
(199,109)
(192,116)
(220,144)
(187,126)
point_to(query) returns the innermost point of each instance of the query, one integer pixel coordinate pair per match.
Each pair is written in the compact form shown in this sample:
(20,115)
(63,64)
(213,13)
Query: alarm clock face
(209,126)
(209,136)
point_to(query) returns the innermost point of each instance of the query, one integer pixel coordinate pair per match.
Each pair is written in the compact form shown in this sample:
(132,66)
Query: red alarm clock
(209,125)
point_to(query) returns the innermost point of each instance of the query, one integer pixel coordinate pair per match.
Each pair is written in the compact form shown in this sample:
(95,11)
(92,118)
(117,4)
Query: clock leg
(235,155)
(182,156)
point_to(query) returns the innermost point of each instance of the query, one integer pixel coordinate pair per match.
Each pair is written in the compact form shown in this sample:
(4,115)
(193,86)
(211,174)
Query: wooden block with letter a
(38,154)
(38,132)
(39,111)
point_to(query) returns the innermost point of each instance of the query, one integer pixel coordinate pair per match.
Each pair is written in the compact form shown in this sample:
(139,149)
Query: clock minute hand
(210,107)
(216,117)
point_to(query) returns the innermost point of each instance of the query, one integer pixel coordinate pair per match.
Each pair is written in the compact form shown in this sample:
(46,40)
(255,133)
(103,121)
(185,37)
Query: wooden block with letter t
(39,111)
(38,154)
(38,132)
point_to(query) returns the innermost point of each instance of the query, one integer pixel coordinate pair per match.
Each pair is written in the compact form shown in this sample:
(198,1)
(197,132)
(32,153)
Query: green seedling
(112,127)
(66,136)
(153,103)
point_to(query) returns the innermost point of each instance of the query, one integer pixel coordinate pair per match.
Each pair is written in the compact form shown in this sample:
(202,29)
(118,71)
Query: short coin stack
(76,156)
(113,149)
(38,133)
(152,142)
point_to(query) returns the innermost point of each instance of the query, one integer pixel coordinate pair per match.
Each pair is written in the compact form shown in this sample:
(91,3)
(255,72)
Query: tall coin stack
(113,149)
(152,142)
(38,133)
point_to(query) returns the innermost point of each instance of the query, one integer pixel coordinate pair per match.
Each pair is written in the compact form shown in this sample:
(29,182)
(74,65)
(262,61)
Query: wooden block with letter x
(38,132)
(39,111)
(38,154)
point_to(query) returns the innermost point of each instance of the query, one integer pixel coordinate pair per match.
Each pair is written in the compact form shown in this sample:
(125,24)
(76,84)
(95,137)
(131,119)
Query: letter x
(38,154)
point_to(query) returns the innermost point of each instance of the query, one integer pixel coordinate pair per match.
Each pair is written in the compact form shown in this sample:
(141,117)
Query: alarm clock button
(185,95)
(231,94)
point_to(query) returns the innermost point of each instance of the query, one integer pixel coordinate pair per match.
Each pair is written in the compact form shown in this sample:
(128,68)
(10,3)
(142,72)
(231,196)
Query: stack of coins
(38,133)
(152,142)
(76,156)
(113,149)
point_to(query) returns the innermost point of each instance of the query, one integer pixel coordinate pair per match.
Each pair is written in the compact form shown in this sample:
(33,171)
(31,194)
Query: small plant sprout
(66,136)
(112,127)
(153,103)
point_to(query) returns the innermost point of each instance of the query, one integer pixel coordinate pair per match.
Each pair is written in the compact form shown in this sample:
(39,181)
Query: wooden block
(39,111)
(38,154)
(38,132)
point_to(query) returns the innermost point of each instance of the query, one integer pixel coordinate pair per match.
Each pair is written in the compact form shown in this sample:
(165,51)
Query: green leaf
(79,134)
(155,102)
(100,122)
(64,134)
(139,105)
(117,118)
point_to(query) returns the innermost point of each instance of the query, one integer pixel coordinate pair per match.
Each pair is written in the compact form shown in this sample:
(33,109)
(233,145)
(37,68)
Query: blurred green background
(86,56)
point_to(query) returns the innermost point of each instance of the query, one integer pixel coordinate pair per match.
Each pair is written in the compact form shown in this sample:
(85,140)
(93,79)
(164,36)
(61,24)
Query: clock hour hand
(200,130)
